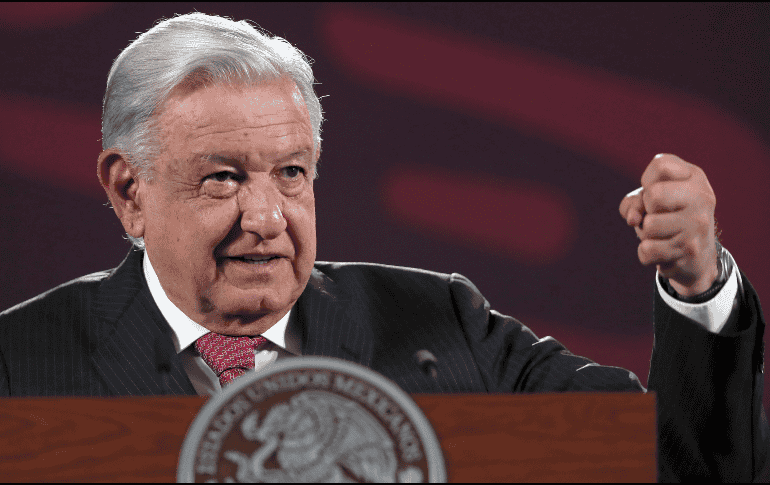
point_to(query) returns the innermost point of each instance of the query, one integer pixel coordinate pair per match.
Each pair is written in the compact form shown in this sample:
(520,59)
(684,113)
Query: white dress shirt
(284,336)
(713,314)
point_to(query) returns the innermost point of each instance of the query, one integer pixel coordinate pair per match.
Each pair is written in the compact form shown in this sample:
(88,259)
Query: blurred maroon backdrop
(493,140)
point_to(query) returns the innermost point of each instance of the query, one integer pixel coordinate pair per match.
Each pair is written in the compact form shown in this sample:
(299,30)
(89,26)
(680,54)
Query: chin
(242,321)
(252,305)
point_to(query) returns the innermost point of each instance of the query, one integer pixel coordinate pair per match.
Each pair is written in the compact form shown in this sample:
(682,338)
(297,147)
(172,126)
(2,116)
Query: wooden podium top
(569,437)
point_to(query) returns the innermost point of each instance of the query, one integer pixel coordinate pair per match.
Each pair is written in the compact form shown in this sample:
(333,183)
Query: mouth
(256,260)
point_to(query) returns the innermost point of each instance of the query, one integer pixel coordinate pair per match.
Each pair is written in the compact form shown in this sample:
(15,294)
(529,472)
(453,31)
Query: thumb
(633,210)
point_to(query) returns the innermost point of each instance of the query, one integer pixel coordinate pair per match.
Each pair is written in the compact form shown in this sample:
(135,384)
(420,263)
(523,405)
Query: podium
(566,437)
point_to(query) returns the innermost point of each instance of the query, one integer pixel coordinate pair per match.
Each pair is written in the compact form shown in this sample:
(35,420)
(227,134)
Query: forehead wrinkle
(279,138)
(301,129)
(244,112)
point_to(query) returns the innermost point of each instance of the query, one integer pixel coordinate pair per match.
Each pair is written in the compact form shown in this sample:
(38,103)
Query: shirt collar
(185,331)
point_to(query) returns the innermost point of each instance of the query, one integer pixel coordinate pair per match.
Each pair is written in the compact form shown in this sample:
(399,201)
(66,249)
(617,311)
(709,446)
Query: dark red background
(491,140)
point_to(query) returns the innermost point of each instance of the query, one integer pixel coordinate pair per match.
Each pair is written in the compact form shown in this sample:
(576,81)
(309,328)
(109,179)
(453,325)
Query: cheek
(197,229)
(217,221)
(301,220)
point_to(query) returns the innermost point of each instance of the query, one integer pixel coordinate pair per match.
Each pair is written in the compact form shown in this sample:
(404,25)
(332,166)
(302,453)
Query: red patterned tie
(229,357)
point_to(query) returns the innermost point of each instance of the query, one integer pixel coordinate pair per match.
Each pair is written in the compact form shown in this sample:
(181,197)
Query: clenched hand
(673,215)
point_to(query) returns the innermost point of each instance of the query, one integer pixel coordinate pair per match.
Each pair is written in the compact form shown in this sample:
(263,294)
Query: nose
(260,205)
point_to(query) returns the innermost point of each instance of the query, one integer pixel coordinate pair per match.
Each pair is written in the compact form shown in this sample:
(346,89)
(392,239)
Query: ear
(120,181)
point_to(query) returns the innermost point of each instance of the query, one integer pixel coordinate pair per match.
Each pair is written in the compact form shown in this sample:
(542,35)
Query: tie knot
(229,357)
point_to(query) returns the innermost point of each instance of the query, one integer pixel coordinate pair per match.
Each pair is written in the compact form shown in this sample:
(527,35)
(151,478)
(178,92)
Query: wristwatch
(725,267)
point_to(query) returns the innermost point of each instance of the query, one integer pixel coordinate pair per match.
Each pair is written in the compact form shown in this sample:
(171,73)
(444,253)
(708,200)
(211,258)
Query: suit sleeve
(511,358)
(711,422)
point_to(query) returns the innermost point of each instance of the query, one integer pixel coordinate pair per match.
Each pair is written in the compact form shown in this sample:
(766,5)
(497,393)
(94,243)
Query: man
(211,144)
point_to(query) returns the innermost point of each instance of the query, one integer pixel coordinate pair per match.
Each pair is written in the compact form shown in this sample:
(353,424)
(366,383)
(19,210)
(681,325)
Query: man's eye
(222,176)
(293,171)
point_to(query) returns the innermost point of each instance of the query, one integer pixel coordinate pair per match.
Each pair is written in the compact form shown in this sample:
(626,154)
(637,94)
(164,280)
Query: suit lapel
(331,326)
(127,332)
(128,325)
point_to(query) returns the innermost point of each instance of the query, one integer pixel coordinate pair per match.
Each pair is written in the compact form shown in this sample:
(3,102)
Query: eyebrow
(218,157)
(242,158)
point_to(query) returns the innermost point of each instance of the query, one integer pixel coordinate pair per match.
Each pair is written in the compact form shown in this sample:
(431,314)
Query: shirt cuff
(713,314)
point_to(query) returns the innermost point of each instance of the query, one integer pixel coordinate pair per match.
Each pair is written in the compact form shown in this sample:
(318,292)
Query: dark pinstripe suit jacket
(98,336)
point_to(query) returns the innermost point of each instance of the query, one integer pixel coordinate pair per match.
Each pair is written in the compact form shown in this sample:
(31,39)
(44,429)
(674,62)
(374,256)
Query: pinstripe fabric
(380,316)
(709,387)
(96,336)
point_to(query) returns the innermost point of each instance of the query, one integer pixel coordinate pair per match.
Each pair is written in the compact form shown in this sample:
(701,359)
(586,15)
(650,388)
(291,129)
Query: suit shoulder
(339,272)
(397,282)
(70,291)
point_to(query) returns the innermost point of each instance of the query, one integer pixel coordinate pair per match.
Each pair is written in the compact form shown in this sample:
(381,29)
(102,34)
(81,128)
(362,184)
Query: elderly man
(211,137)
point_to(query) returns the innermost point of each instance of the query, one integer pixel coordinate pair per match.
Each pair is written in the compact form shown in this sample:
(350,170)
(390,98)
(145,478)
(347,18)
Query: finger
(667,196)
(664,252)
(666,167)
(662,226)
(632,207)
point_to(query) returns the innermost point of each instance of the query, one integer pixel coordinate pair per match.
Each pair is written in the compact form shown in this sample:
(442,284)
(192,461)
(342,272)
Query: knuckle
(702,221)
(657,191)
(669,165)
(653,197)
(649,173)
(699,173)
(651,224)
(687,249)
(679,242)
(662,159)
(642,254)
(646,251)
(711,200)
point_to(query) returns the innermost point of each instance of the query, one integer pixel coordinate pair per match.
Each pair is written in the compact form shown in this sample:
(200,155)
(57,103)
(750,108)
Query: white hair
(192,51)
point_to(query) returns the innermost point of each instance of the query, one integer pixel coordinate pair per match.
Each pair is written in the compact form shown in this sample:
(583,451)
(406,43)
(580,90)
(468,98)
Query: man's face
(229,218)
